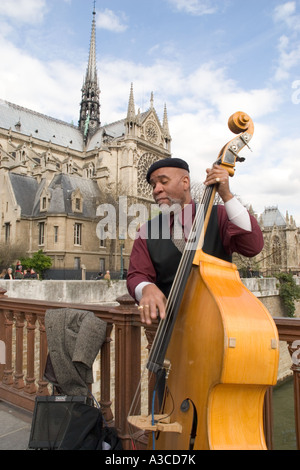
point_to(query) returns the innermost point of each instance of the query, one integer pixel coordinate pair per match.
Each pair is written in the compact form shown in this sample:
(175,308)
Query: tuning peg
(238,158)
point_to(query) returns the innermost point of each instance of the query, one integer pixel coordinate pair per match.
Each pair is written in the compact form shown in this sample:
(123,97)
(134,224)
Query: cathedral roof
(25,189)
(271,216)
(45,128)
(42,127)
(110,131)
(63,186)
(28,191)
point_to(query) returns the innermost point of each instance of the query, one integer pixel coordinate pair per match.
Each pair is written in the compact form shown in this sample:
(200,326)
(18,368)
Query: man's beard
(174,203)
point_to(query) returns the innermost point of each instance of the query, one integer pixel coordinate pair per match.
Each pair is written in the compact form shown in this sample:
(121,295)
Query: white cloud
(107,19)
(273,179)
(289,57)
(40,86)
(195,7)
(23,11)
(286,13)
(288,44)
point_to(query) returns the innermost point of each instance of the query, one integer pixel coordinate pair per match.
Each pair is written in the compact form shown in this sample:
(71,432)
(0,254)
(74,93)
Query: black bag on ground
(87,431)
(69,423)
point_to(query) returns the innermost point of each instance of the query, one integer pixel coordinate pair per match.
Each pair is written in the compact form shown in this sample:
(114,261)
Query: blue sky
(204,59)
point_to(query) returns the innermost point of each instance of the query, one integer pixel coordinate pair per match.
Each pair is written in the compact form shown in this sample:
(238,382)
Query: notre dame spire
(89,119)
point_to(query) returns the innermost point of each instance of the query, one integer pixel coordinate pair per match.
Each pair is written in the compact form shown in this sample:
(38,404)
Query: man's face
(170,186)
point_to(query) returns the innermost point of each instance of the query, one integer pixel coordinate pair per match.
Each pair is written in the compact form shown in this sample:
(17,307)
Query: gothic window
(144,189)
(102,265)
(77,234)
(151,131)
(90,171)
(55,234)
(44,201)
(276,251)
(41,233)
(7,232)
(77,201)
(70,167)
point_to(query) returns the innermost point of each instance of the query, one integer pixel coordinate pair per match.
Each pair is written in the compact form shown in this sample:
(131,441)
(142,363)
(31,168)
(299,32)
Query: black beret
(167,162)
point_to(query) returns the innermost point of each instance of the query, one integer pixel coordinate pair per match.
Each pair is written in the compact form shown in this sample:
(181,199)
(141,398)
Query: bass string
(184,265)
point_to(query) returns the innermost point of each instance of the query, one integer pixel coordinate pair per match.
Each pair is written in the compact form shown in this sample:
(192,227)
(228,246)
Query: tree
(289,291)
(39,262)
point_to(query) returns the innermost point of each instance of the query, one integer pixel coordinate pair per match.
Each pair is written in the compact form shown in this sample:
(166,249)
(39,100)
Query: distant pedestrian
(2,275)
(33,274)
(18,272)
(249,272)
(107,276)
(26,274)
(9,274)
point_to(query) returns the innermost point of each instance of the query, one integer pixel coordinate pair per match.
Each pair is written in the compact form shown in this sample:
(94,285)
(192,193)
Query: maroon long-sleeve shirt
(234,239)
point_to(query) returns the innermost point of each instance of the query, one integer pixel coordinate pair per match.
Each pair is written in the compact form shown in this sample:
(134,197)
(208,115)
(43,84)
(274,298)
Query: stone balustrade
(22,331)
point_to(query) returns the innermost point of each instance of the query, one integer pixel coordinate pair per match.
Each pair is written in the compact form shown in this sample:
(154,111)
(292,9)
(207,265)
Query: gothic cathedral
(54,176)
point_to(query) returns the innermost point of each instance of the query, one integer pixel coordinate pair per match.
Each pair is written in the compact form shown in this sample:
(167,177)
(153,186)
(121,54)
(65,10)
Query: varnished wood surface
(224,355)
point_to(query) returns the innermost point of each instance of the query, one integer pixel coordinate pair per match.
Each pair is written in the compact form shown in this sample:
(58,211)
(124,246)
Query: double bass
(216,352)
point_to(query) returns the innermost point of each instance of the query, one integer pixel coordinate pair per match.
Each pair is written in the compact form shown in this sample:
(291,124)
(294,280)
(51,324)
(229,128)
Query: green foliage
(39,262)
(289,292)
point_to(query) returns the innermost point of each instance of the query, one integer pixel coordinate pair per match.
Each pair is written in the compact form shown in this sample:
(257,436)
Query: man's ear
(186,182)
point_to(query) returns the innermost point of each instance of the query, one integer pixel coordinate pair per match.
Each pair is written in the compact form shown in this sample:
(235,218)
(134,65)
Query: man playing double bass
(154,262)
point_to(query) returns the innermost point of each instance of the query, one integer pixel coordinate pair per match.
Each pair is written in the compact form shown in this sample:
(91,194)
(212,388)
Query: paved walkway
(15,425)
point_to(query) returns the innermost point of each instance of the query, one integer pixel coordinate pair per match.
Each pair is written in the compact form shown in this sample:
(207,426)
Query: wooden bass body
(223,356)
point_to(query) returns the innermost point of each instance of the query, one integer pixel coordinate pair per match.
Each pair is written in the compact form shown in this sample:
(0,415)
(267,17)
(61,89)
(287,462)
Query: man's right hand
(152,304)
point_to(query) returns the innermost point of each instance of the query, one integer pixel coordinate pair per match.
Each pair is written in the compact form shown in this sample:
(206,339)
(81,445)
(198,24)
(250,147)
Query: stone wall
(87,292)
(266,289)
(106,292)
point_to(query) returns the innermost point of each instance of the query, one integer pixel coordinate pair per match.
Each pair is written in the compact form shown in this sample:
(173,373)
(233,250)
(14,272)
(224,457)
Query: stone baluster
(127,363)
(19,375)
(30,386)
(105,377)
(8,370)
(42,383)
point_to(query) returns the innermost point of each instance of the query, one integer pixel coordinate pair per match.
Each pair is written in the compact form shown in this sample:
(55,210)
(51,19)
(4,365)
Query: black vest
(166,257)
